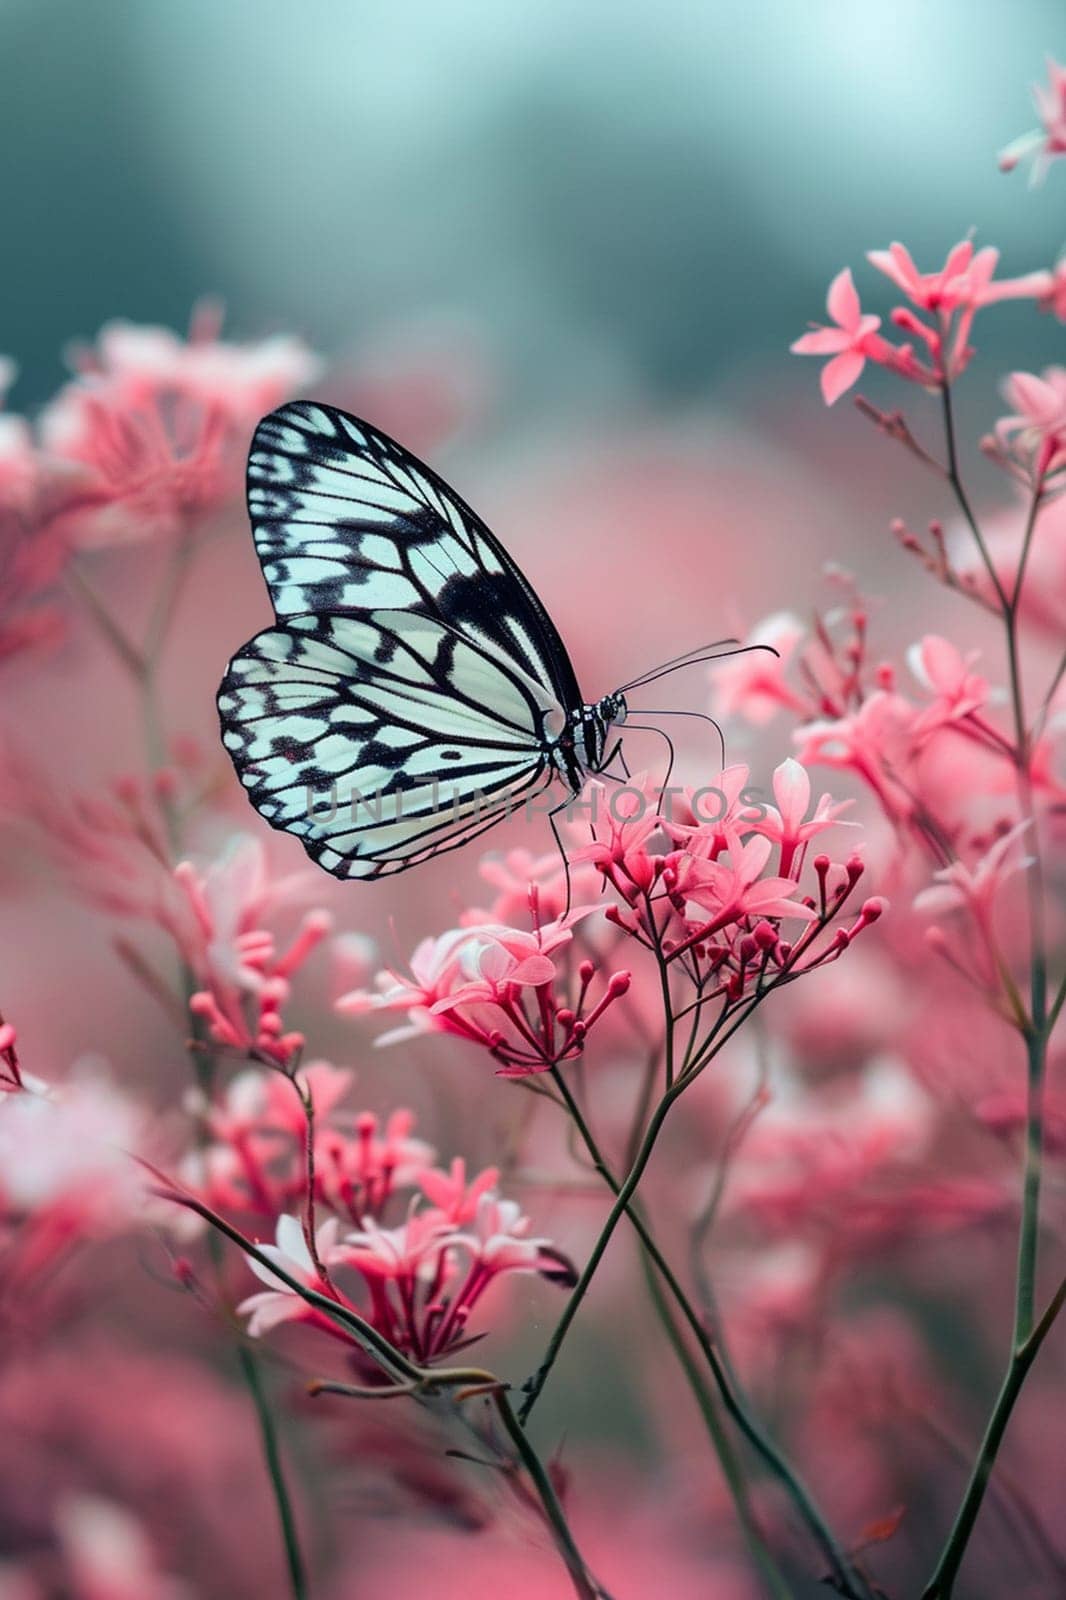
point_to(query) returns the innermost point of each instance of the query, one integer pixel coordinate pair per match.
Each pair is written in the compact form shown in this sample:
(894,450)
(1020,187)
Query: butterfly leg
(552,814)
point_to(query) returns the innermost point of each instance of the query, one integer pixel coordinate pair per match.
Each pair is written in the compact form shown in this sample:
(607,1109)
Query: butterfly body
(414,690)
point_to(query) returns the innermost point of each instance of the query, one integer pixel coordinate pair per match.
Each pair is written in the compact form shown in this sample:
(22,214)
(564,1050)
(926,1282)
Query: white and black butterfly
(415,690)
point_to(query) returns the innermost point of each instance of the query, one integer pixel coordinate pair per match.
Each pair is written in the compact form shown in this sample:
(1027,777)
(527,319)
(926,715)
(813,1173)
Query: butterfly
(414,691)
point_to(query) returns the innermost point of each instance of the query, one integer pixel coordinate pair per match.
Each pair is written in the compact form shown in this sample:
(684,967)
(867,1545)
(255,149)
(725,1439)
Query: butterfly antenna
(679,660)
(702,715)
(712,653)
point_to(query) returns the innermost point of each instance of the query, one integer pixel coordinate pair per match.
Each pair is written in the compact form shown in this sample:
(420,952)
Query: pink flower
(787,824)
(975,889)
(450,1193)
(1034,438)
(961,280)
(1047,142)
(358,1173)
(945,672)
(849,344)
(753,685)
(502,988)
(108,1556)
(279,1303)
(243,981)
(159,427)
(738,889)
(876,741)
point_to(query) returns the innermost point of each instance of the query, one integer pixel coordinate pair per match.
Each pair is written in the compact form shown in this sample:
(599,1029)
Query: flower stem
(847,1579)
(268,1435)
(584,1585)
(942,1583)
(1036,1029)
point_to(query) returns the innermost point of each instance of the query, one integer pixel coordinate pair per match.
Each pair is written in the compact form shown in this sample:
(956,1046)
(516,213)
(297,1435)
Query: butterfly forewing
(347,520)
(409,697)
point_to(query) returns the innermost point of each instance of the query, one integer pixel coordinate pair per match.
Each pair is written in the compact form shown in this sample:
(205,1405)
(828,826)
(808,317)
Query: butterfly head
(582,746)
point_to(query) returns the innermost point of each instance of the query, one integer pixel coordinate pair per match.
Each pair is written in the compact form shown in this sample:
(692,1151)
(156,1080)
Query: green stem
(732,1471)
(1035,1028)
(584,1586)
(848,1580)
(942,1582)
(268,1435)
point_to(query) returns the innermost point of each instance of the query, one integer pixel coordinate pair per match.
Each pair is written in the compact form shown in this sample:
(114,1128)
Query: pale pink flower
(737,889)
(942,669)
(452,1195)
(499,987)
(962,280)
(1034,437)
(876,741)
(787,824)
(754,685)
(280,1303)
(975,889)
(244,981)
(108,1555)
(501,1239)
(32,555)
(849,344)
(159,427)
(410,1250)
(1046,143)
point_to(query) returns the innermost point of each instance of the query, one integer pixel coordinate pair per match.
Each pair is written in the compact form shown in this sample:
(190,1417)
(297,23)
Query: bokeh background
(562,249)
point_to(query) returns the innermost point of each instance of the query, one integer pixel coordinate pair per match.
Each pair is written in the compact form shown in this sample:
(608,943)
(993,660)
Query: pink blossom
(159,427)
(787,823)
(108,1556)
(279,1303)
(244,980)
(1034,438)
(358,1172)
(502,988)
(1047,142)
(849,344)
(754,684)
(975,889)
(450,1193)
(876,741)
(737,889)
(942,669)
(961,281)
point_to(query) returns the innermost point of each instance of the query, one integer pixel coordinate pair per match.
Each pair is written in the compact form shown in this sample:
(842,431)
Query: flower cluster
(710,883)
(516,993)
(154,429)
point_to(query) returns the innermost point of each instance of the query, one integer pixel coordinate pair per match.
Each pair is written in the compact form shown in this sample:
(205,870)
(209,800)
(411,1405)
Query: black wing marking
(382,739)
(347,521)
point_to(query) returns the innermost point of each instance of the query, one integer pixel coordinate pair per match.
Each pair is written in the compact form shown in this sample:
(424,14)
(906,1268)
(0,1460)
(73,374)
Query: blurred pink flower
(244,981)
(108,1555)
(160,426)
(1046,143)
(854,339)
(754,684)
(975,889)
(1033,439)
(942,669)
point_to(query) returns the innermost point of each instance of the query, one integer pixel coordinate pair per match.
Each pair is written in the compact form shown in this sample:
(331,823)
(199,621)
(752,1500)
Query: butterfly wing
(383,739)
(347,521)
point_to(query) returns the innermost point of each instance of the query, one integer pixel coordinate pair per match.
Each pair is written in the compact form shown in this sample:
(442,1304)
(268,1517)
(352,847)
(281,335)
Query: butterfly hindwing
(380,740)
